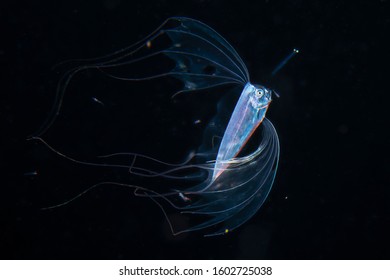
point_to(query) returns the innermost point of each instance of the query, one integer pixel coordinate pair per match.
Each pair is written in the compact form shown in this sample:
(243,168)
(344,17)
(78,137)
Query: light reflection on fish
(235,186)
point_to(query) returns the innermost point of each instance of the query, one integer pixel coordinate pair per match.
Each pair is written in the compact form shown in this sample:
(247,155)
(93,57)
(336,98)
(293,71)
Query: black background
(330,197)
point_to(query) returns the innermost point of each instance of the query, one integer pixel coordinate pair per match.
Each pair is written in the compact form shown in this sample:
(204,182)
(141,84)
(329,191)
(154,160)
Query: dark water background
(332,120)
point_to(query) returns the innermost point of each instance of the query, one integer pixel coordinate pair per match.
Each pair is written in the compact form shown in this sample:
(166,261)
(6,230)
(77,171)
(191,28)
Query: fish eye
(259,93)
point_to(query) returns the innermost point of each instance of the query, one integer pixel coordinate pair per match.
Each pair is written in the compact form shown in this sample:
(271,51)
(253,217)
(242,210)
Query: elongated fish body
(246,117)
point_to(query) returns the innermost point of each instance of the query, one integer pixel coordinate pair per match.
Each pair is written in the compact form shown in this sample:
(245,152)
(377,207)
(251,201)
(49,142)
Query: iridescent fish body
(246,117)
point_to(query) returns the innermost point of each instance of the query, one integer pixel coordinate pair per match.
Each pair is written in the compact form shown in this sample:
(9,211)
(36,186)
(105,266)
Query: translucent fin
(203,59)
